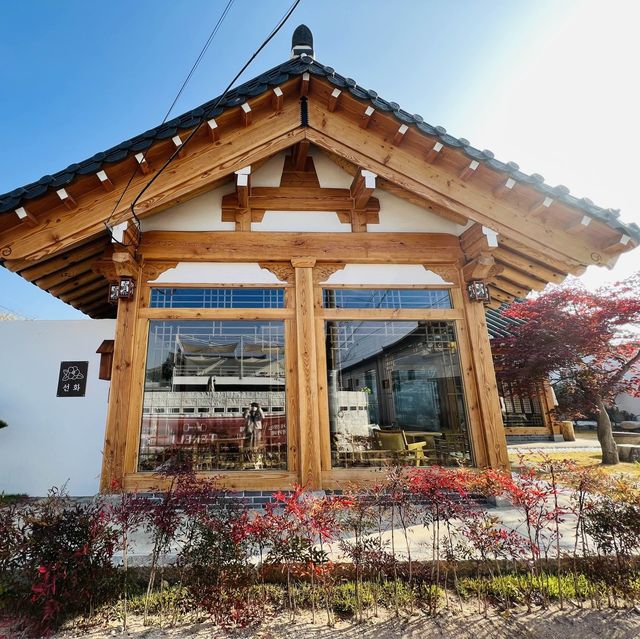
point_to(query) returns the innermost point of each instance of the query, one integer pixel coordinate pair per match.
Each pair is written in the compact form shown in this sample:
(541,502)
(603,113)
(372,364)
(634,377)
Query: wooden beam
(540,206)
(104,180)
(469,170)
(332,104)
(510,288)
(529,266)
(619,245)
(563,266)
(299,154)
(296,198)
(478,239)
(523,280)
(307,375)
(204,167)
(398,164)
(501,296)
(70,285)
(487,389)
(479,268)
(98,283)
(73,270)
(126,337)
(145,167)
(177,141)
(277,99)
(213,129)
(434,152)
(66,199)
(578,226)
(504,188)
(243,186)
(212,246)
(366,117)
(362,187)
(304,85)
(26,216)
(399,191)
(246,114)
(400,133)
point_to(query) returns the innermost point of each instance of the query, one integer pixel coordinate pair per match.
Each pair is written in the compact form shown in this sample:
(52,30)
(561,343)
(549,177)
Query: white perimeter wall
(50,440)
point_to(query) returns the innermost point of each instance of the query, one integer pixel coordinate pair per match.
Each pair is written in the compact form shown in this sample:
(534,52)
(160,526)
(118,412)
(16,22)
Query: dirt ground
(540,624)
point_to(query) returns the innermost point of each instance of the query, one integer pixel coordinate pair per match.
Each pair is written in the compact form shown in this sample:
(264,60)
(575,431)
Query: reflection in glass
(395,394)
(214,396)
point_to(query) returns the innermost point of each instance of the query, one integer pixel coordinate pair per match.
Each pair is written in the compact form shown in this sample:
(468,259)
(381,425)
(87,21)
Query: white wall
(203,213)
(50,440)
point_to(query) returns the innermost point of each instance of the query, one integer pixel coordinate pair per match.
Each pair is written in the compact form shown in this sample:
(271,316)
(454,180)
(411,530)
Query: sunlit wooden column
(115,442)
(307,372)
(485,377)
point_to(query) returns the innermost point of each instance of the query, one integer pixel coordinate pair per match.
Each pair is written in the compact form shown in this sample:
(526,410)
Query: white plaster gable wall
(385,275)
(51,440)
(212,273)
(203,213)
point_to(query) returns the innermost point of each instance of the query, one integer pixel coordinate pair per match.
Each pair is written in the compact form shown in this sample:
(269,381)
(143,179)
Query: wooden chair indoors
(395,442)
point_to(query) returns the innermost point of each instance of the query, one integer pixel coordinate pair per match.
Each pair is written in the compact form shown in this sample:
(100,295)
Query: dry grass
(582,459)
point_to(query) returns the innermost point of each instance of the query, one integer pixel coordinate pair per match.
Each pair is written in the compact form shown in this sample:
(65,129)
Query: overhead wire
(194,66)
(268,39)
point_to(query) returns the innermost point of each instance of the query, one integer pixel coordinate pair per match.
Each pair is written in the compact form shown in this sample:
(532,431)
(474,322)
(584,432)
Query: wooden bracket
(362,187)
(214,130)
(478,239)
(434,152)
(618,246)
(481,268)
(400,133)
(504,188)
(469,170)
(177,141)
(366,117)
(303,262)
(27,217)
(243,186)
(105,182)
(246,114)
(145,167)
(277,99)
(66,199)
(540,206)
(332,105)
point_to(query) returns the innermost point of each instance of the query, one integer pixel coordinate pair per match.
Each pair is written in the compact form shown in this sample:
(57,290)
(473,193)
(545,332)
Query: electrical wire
(195,65)
(268,39)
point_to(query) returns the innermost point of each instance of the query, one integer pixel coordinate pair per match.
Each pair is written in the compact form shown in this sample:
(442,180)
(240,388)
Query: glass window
(386,298)
(518,409)
(395,394)
(198,375)
(217,298)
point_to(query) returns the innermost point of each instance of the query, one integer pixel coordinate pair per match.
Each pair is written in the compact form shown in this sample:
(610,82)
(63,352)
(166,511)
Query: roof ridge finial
(302,42)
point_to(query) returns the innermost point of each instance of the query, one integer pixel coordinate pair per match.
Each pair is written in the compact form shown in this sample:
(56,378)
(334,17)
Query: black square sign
(72,380)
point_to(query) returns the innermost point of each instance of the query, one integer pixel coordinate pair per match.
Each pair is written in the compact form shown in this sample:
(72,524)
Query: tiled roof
(497,324)
(275,77)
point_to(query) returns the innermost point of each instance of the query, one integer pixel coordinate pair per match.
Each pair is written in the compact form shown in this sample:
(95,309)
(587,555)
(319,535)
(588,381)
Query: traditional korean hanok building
(313,251)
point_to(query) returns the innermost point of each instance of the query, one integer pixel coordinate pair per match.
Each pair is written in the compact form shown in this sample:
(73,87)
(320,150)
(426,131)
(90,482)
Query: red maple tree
(587,343)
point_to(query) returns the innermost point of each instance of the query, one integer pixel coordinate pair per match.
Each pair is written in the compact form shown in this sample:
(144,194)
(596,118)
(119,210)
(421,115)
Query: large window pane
(395,394)
(214,396)
(386,298)
(217,298)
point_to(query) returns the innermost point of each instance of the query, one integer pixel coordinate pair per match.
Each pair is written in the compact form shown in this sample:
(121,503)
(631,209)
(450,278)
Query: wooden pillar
(120,390)
(307,373)
(485,377)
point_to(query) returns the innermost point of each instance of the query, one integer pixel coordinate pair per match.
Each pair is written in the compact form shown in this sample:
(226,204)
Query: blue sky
(547,84)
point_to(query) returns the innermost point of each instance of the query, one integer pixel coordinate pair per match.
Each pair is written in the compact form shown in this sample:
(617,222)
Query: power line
(268,39)
(195,65)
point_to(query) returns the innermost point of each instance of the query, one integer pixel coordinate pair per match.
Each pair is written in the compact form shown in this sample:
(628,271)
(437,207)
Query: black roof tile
(274,77)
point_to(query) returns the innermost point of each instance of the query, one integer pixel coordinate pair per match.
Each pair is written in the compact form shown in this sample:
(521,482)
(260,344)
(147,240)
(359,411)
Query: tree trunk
(605,437)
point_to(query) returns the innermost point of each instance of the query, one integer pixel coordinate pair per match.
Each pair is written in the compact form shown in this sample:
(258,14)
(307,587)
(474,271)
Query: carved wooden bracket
(322,272)
(282,270)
